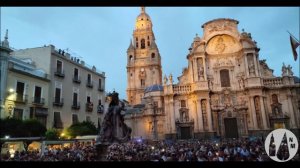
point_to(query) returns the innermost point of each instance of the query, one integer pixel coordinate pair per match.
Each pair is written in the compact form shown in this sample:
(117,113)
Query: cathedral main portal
(231,129)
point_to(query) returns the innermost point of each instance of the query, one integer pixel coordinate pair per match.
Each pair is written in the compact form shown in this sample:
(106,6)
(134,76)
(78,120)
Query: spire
(131,47)
(5,42)
(143,9)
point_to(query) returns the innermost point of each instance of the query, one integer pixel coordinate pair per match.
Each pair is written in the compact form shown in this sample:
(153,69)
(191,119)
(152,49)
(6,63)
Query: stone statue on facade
(252,69)
(284,70)
(165,80)
(241,83)
(113,128)
(289,70)
(171,79)
(210,84)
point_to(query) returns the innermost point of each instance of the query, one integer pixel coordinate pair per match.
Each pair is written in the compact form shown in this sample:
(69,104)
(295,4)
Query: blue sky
(101,35)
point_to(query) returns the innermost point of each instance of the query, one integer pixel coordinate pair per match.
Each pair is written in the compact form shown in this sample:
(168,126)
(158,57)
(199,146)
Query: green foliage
(34,128)
(18,128)
(52,134)
(82,128)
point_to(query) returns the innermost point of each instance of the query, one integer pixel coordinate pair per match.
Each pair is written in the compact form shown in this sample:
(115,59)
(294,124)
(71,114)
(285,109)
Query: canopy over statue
(113,128)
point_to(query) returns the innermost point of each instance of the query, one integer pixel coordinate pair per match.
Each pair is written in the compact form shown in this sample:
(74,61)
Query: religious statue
(165,80)
(241,83)
(210,84)
(171,79)
(220,46)
(251,69)
(289,71)
(113,127)
(284,70)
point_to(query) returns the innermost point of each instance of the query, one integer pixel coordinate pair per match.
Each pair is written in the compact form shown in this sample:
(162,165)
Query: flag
(294,45)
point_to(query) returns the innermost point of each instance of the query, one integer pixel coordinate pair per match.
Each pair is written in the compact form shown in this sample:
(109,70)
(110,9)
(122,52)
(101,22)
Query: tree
(82,128)
(52,134)
(33,127)
(21,128)
(11,127)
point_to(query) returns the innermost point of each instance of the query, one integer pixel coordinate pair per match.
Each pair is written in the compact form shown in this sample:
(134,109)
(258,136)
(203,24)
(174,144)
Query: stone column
(253,112)
(263,112)
(196,116)
(209,116)
(255,64)
(246,122)
(246,65)
(172,112)
(291,110)
(200,115)
(204,68)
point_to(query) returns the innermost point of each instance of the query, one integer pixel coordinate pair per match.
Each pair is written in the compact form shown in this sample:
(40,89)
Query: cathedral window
(225,81)
(130,57)
(143,44)
(137,45)
(153,55)
(148,43)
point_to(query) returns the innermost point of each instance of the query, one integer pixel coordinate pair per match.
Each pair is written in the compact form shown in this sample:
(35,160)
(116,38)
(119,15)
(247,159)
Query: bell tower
(143,59)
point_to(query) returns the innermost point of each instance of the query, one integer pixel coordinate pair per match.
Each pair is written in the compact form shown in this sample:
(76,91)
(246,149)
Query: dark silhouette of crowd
(156,151)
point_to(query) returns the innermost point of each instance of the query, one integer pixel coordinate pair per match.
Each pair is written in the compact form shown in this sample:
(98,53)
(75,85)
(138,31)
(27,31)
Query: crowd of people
(156,151)
(76,152)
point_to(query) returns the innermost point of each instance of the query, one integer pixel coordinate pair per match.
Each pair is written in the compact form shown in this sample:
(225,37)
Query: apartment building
(76,89)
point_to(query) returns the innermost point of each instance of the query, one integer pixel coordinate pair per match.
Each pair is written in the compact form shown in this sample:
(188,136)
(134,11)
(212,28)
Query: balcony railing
(76,79)
(76,105)
(100,89)
(21,98)
(58,124)
(38,101)
(273,82)
(58,101)
(89,83)
(59,73)
(89,106)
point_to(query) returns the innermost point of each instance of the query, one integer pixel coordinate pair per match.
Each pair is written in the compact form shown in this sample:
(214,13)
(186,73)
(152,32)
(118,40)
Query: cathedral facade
(225,90)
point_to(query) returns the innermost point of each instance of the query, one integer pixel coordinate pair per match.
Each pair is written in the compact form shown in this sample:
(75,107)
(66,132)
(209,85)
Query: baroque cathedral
(225,91)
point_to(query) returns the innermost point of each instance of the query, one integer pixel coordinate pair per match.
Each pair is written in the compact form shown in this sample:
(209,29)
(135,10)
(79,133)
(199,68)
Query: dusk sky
(101,35)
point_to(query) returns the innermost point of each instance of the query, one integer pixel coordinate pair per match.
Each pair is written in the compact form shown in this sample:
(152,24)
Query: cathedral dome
(154,88)
(143,21)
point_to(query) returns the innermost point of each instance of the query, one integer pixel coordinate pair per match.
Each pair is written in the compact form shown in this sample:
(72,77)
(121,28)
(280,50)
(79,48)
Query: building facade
(76,90)
(24,88)
(225,91)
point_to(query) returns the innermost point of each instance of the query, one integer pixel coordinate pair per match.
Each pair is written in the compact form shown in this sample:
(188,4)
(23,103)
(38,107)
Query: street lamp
(11,90)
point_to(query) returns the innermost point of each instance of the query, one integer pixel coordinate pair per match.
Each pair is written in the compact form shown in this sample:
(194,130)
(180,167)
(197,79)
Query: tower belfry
(143,59)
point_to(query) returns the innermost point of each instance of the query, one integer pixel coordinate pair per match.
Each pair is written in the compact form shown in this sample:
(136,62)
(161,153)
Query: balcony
(58,124)
(89,106)
(273,82)
(76,79)
(100,89)
(59,73)
(89,83)
(100,109)
(21,98)
(76,105)
(38,101)
(58,101)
